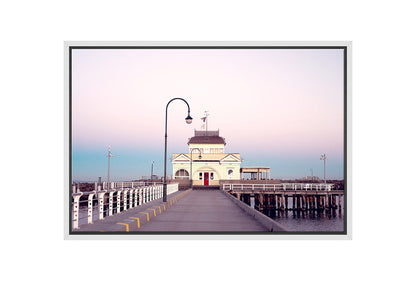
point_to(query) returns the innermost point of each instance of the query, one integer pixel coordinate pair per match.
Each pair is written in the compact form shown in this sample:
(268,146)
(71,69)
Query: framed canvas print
(217,140)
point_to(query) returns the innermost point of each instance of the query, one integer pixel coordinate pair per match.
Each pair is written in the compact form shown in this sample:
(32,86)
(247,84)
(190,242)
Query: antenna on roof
(205,120)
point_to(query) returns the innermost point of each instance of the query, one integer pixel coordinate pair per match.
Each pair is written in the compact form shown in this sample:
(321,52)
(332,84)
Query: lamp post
(188,120)
(151,173)
(108,170)
(323,157)
(191,164)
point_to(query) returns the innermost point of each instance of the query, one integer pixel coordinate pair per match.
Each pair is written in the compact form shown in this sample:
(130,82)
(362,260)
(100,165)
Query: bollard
(140,195)
(90,197)
(101,205)
(75,210)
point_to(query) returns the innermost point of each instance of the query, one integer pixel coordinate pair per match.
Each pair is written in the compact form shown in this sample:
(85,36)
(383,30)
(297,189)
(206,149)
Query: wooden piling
(326,202)
(339,203)
(286,202)
(303,203)
(283,202)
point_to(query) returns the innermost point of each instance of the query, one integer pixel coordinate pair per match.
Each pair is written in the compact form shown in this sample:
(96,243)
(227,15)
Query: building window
(200,176)
(230,174)
(212,176)
(181,174)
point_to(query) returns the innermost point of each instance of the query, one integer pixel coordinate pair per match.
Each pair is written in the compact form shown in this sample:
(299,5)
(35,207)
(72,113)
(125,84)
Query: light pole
(191,163)
(108,171)
(323,157)
(151,173)
(188,120)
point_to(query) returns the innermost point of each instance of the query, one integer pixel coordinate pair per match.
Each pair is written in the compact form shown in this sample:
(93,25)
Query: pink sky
(277,101)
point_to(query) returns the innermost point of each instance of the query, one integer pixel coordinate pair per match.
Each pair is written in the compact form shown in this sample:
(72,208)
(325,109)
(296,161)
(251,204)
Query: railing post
(125,206)
(90,196)
(135,196)
(131,198)
(118,201)
(140,196)
(75,210)
(101,204)
(110,203)
(145,199)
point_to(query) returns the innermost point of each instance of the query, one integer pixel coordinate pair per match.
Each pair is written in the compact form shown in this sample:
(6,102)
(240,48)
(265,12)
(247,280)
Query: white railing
(121,197)
(278,187)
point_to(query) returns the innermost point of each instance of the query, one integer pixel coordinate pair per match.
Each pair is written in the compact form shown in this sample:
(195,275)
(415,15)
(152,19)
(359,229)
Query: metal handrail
(281,186)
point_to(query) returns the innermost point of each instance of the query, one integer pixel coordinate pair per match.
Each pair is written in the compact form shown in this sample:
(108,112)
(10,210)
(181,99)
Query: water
(309,221)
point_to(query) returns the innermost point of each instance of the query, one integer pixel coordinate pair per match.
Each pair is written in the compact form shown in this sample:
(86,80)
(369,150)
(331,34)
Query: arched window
(230,174)
(181,174)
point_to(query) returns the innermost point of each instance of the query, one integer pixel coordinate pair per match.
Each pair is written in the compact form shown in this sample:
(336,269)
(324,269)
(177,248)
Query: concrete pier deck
(204,211)
(187,211)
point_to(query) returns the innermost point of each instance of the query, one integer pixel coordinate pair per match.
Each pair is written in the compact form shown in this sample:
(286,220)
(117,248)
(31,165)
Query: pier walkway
(204,211)
(189,211)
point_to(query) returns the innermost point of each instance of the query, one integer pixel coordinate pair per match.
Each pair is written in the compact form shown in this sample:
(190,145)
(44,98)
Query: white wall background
(31,66)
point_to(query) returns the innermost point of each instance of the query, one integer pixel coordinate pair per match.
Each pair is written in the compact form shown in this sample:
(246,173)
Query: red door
(206,178)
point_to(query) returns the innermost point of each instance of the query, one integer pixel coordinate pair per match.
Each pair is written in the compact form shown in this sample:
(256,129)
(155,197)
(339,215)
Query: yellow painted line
(138,221)
(127,226)
(160,210)
(154,211)
(147,214)
(164,209)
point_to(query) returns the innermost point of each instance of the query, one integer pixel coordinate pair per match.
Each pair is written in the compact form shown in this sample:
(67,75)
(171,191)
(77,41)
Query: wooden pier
(281,197)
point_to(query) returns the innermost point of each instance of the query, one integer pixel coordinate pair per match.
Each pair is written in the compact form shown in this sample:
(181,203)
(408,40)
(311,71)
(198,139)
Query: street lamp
(188,120)
(151,173)
(191,163)
(323,157)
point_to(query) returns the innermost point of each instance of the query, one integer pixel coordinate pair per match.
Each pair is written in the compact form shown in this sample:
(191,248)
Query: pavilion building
(213,165)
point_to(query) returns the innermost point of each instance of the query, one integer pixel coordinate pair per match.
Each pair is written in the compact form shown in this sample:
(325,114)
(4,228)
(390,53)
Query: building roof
(254,169)
(207,137)
(207,156)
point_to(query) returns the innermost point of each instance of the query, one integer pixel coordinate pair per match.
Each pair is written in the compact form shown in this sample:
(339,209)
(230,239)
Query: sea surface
(309,221)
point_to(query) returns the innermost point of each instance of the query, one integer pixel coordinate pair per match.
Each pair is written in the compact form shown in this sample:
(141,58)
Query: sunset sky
(281,108)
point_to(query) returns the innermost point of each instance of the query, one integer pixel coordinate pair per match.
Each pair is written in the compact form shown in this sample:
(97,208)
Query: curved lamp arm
(188,120)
